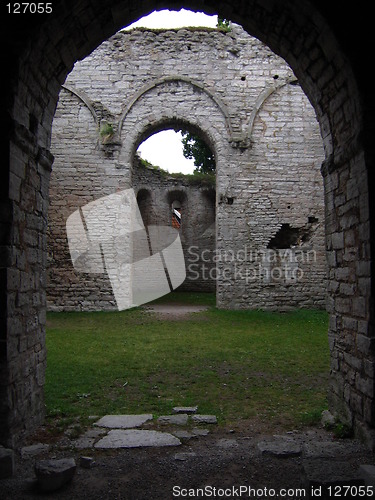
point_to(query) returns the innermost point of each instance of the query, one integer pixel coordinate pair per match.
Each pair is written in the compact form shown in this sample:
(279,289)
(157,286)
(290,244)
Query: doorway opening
(181,196)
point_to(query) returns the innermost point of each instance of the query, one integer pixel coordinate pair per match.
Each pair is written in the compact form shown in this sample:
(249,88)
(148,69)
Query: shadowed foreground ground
(223,459)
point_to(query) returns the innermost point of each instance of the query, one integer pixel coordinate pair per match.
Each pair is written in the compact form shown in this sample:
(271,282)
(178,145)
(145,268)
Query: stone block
(6,463)
(54,474)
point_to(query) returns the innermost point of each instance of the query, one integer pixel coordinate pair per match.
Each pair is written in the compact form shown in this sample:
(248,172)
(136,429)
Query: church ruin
(256,235)
(313,39)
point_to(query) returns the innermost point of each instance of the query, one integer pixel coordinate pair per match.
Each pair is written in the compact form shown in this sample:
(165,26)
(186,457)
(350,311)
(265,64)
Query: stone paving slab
(185,409)
(204,419)
(180,419)
(123,421)
(136,438)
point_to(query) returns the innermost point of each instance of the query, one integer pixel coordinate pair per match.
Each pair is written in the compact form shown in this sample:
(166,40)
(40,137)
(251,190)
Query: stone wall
(156,194)
(245,102)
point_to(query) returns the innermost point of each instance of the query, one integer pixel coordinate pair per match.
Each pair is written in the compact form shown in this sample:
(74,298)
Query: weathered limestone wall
(246,103)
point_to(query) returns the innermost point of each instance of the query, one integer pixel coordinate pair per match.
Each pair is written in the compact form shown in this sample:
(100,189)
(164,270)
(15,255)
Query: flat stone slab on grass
(185,409)
(123,421)
(180,419)
(204,419)
(135,438)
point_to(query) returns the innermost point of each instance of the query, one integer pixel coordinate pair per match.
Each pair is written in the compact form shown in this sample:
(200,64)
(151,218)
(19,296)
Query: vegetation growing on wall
(195,179)
(223,24)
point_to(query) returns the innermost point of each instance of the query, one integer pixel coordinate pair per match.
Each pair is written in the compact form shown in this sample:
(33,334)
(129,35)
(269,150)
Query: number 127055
(31,8)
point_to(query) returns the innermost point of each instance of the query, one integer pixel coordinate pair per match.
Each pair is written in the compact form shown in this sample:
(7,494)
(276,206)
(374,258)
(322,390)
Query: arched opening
(165,150)
(176,209)
(259,173)
(184,200)
(307,37)
(144,201)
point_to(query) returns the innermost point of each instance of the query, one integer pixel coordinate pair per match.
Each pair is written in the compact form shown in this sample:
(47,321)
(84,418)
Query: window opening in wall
(176,214)
(165,151)
(145,205)
(177,152)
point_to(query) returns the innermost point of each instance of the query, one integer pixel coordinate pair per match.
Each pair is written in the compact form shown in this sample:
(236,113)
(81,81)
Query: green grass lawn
(238,365)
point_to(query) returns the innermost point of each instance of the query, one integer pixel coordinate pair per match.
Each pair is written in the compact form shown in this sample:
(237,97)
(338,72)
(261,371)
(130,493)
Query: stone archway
(316,48)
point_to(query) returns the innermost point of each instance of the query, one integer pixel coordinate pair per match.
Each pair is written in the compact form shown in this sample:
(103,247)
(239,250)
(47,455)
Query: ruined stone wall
(246,103)
(156,192)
